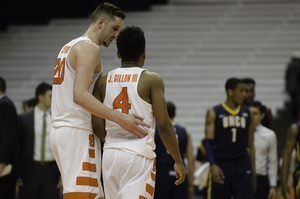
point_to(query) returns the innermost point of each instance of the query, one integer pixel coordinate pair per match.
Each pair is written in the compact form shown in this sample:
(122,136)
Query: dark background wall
(39,12)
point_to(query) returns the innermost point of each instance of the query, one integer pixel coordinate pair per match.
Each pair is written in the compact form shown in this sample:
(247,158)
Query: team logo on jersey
(234,121)
(245,114)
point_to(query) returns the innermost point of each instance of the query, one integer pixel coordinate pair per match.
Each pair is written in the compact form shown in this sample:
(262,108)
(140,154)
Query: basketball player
(229,132)
(74,145)
(128,163)
(292,142)
(165,174)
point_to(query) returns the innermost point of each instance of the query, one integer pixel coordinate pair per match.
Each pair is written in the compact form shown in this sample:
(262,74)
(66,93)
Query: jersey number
(121,101)
(59,71)
(233,130)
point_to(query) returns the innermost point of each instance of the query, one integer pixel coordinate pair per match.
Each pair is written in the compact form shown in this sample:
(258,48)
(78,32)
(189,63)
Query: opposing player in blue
(229,145)
(165,173)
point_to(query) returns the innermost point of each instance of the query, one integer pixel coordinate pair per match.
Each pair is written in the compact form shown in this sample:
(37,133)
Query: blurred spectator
(165,174)
(39,172)
(267,120)
(28,105)
(292,83)
(266,161)
(8,144)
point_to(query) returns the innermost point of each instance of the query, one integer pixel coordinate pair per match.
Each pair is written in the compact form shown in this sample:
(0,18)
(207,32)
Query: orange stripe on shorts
(142,197)
(79,195)
(92,153)
(86,181)
(149,189)
(153,176)
(86,166)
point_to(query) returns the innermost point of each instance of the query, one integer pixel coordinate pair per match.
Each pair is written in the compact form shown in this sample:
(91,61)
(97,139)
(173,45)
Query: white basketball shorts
(77,154)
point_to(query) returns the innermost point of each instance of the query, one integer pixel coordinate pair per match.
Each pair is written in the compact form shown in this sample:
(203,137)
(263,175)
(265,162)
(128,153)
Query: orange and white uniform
(75,147)
(128,164)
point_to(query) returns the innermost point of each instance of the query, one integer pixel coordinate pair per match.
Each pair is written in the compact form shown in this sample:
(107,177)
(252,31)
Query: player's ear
(230,92)
(118,55)
(144,54)
(100,22)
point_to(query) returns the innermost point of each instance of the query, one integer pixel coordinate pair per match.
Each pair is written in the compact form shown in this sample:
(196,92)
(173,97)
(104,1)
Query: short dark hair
(232,83)
(2,84)
(249,80)
(108,11)
(258,105)
(41,89)
(131,43)
(171,109)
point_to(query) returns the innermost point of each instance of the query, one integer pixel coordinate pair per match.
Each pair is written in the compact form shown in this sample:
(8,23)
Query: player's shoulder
(152,77)
(87,46)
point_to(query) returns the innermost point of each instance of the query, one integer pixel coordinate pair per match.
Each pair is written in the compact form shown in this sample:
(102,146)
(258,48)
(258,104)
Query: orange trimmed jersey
(121,95)
(64,111)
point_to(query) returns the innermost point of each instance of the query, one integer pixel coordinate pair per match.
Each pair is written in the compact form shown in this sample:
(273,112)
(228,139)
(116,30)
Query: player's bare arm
(191,164)
(163,122)
(217,173)
(98,123)
(252,149)
(87,61)
(286,159)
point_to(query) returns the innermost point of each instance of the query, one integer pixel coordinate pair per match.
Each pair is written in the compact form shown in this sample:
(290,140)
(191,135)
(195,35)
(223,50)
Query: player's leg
(220,191)
(110,174)
(164,184)
(135,176)
(80,162)
(242,184)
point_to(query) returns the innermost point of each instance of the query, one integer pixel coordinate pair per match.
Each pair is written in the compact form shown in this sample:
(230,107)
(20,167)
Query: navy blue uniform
(297,170)
(231,144)
(165,173)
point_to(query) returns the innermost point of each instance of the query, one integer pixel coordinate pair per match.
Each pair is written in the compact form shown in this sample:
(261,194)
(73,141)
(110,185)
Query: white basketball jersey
(64,111)
(121,95)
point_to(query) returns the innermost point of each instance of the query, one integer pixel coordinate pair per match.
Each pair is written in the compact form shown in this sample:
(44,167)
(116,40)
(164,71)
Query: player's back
(121,95)
(231,132)
(64,111)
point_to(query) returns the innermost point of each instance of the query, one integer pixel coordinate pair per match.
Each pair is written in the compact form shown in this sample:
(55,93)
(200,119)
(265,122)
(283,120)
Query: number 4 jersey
(121,95)
(231,132)
(64,111)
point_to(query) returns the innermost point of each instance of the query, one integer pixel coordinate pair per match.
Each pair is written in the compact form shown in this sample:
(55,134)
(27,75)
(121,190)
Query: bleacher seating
(194,47)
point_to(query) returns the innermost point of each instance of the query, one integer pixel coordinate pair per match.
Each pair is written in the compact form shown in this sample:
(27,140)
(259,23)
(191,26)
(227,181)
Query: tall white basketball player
(78,66)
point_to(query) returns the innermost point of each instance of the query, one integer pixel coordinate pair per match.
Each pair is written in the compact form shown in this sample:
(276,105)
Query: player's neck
(129,64)
(230,104)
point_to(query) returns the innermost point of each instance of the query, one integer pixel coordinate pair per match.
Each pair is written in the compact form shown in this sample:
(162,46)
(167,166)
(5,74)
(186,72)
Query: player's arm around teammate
(286,160)
(85,59)
(217,172)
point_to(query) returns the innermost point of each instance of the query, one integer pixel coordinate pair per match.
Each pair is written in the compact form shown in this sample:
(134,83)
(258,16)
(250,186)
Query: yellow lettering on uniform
(225,121)
(237,121)
(231,120)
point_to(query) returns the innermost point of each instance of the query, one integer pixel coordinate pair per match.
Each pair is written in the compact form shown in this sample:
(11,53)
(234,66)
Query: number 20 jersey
(64,111)
(231,132)
(121,95)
